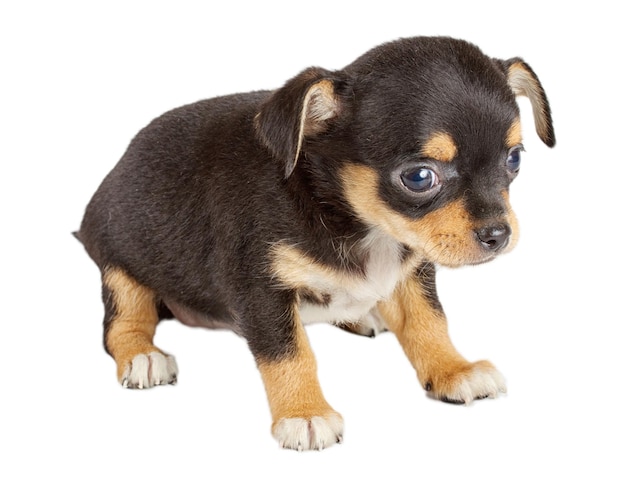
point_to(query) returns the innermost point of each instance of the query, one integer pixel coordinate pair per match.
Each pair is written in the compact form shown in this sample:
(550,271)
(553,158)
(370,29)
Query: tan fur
(297,270)
(361,190)
(423,334)
(447,236)
(291,383)
(514,135)
(132,329)
(440,146)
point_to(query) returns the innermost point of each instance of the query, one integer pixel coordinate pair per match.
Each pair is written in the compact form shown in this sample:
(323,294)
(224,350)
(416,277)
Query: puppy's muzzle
(494,237)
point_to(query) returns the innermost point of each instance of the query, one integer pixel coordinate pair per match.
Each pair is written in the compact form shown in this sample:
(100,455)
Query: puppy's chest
(337,304)
(331,295)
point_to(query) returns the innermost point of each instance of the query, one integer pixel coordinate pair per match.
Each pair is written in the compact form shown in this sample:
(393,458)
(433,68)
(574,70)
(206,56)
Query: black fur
(195,204)
(426,274)
(109,313)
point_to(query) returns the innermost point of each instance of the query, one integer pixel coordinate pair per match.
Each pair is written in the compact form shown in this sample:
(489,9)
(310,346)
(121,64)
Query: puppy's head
(423,136)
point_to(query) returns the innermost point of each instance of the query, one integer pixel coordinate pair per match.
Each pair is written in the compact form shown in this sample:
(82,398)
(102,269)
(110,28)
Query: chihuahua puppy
(332,199)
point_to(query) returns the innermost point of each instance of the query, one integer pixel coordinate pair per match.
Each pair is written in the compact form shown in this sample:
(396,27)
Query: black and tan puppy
(331,199)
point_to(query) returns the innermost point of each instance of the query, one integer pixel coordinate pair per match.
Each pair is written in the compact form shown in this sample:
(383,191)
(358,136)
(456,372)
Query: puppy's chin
(456,262)
(451,254)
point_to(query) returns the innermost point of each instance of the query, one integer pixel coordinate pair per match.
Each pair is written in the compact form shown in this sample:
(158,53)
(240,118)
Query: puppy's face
(438,152)
(429,139)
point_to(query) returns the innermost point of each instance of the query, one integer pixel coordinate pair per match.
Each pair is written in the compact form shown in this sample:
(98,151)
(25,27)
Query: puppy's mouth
(480,261)
(455,249)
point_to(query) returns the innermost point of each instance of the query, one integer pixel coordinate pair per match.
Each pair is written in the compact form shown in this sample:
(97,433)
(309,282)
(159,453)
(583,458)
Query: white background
(76,83)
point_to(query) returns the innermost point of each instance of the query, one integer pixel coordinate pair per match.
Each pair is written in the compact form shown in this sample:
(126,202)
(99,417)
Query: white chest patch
(348,297)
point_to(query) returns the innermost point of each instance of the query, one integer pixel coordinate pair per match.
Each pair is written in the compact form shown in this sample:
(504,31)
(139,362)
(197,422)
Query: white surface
(77,83)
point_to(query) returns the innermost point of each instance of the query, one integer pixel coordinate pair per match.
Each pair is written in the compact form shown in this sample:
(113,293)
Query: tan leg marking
(130,335)
(302,418)
(423,334)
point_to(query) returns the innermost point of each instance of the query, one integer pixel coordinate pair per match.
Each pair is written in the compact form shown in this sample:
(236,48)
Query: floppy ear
(524,82)
(301,108)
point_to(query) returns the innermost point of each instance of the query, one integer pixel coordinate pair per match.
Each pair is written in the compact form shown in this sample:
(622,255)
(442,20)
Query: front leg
(416,317)
(301,417)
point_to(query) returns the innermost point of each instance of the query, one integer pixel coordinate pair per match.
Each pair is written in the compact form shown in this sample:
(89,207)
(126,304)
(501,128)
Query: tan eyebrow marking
(514,135)
(440,146)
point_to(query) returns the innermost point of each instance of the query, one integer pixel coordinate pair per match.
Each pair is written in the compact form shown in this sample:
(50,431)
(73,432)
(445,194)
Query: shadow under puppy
(331,199)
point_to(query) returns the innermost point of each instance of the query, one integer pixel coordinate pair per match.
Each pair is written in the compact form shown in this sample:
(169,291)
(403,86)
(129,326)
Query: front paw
(148,370)
(317,432)
(465,382)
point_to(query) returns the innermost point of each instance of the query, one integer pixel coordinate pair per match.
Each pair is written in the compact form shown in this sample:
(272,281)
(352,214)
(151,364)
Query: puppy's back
(193,175)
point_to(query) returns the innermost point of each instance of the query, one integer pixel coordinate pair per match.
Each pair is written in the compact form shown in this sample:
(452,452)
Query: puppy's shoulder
(207,114)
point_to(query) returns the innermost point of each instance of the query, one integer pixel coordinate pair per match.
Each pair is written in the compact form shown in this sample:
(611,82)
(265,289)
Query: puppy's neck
(384,258)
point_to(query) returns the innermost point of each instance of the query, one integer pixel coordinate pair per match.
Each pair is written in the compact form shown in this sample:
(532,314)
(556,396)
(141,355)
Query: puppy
(333,199)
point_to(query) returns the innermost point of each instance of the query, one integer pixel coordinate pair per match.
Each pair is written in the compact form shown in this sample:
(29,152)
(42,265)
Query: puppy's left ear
(524,82)
(302,108)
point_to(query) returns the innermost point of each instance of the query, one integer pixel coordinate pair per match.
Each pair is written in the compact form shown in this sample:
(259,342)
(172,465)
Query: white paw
(314,433)
(481,382)
(148,370)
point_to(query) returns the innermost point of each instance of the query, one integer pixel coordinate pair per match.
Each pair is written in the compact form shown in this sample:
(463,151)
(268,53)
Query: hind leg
(130,322)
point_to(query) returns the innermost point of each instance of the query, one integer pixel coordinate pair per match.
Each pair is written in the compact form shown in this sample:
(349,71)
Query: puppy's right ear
(302,108)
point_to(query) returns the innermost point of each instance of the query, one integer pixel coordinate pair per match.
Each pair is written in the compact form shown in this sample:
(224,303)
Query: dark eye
(420,179)
(514,160)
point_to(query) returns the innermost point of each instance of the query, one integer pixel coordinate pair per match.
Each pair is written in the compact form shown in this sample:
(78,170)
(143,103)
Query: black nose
(494,238)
